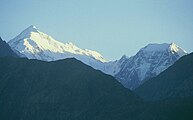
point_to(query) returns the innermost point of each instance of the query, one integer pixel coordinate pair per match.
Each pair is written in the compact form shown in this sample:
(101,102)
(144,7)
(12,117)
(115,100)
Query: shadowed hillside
(66,89)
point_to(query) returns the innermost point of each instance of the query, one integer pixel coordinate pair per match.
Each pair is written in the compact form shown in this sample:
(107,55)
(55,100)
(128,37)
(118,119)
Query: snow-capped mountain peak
(27,32)
(172,47)
(31,28)
(130,71)
(35,44)
(155,47)
(147,63)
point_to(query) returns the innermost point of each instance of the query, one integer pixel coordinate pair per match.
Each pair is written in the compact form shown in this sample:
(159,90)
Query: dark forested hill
(70,90)
(5,49)
(175,82)
(61,90)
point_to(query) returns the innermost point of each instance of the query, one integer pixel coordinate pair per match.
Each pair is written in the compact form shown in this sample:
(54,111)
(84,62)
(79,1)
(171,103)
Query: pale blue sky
(111,27)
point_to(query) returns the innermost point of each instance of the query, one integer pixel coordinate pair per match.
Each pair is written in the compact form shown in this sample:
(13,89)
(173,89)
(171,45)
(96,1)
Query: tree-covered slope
(70,90)
(66,89)
(169,109)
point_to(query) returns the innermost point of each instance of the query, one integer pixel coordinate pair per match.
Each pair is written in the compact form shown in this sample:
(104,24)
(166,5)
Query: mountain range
(69,89)
(131,72)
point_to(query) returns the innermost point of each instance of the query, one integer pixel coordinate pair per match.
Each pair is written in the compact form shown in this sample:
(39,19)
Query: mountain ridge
(64,92)
(5,50)
(63,89)
(31,37)
(176,81)
(148,62)
(130,71)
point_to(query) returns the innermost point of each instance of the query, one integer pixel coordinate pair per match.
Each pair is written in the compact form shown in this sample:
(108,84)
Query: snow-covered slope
(113,67)
(37,45)
(147,63)
(131,72)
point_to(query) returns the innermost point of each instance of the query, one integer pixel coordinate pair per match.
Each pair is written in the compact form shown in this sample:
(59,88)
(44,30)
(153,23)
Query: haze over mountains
(130,71)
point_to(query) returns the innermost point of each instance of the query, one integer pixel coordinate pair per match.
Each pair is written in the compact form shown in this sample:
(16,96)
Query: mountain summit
(172,47)
(130,71)
(147,63)
(37,45)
